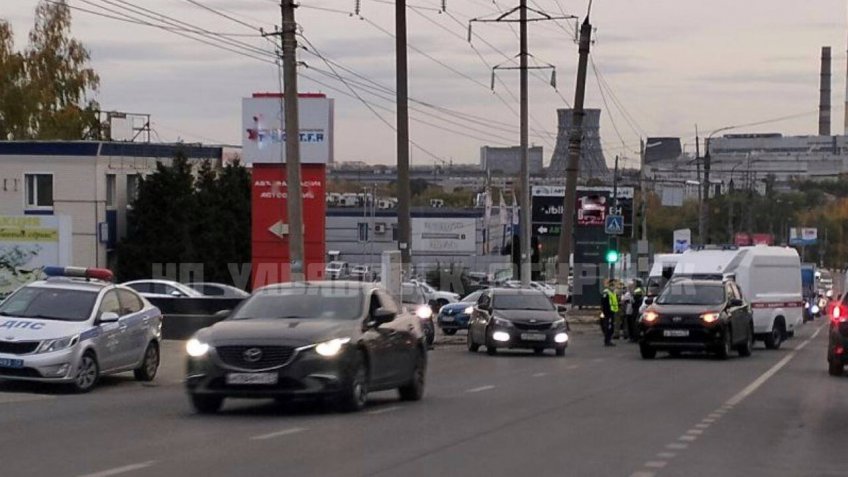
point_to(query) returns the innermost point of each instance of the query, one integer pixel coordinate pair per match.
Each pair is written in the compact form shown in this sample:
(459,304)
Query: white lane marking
(677,446)
(573,366)
(284,432)
(121,470)
(384,410)
(8,398)
(481,389)
(599,360)
(656,464)
(539,375)
(701,425)
(687,438)
(709,419)
(666,455)
(695,432)
(643,474)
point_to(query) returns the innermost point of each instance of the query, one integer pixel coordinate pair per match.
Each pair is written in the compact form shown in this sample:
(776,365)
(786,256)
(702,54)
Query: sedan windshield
(49,304)
(691,294)
(411,294)
(522,301)
(302,302)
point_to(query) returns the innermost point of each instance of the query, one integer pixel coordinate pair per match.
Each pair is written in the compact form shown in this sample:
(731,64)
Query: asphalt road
(597,412)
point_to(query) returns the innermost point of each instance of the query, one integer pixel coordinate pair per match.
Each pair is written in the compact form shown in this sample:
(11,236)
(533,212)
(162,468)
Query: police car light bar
(79,272)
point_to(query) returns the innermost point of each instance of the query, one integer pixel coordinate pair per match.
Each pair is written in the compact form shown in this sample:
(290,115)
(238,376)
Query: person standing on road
(609,308)
(622,327)
(637,297)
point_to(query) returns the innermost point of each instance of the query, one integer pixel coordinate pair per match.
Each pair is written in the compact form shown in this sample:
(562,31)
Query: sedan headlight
(196,348)
(502,322)
(710,317)
(331,348)
(650,316)
(424,312)
(469,310)
(58,344)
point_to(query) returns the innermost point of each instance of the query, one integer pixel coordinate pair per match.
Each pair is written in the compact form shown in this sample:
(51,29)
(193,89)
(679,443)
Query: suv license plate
(448,319)
(252,378)
(676,333)
(11,363)
(533,337)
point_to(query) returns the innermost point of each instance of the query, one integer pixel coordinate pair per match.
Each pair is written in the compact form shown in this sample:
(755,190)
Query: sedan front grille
(18,347)
(245,357)
(525,326)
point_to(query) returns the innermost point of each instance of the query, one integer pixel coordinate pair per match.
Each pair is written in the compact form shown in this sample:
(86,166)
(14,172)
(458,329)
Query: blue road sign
(614,225)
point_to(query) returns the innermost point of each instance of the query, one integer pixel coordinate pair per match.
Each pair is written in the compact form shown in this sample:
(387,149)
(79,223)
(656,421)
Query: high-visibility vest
(613,300)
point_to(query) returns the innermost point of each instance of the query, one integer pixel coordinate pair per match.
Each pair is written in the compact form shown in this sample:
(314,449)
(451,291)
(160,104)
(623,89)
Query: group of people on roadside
(620,308)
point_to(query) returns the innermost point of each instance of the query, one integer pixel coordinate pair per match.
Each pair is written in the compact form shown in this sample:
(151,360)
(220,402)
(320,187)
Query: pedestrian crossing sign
(614,225)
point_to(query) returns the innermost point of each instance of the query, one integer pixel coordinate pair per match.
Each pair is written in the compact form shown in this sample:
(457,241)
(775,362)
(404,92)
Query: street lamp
(704,219)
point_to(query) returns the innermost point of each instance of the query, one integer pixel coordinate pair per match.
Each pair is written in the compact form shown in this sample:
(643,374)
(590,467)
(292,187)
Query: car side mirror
(176,293)
(736,302)
(108,317)
(649,300)
(381,316)
(562,309)
(222,314)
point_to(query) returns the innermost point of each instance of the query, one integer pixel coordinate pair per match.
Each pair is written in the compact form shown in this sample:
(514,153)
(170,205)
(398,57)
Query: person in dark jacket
(638,297)
(609,308)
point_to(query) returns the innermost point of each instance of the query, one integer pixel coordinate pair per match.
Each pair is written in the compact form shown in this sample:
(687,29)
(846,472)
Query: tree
(45,89)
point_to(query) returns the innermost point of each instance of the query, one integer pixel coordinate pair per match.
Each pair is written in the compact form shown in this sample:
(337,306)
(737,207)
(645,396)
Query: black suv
(697,315)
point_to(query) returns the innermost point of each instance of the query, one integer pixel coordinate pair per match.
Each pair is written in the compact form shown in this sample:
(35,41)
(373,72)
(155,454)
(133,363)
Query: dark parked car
(413,298)
(516,318)
(838,342)
(699,315)
(323,339)
(455,316)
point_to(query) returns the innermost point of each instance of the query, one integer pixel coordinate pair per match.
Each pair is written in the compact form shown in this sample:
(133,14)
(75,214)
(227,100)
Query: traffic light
(611,254)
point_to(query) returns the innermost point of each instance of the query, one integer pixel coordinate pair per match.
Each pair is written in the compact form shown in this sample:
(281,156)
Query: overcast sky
(670,63)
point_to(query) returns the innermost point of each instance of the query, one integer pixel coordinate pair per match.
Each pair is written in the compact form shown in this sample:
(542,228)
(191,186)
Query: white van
(770,279)
(661,271)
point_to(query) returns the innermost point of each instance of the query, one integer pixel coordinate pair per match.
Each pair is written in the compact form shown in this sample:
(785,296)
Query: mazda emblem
(252,355)
(677,319)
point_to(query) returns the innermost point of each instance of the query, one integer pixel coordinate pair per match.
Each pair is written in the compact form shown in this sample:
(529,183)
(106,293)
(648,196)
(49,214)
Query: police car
(76,326)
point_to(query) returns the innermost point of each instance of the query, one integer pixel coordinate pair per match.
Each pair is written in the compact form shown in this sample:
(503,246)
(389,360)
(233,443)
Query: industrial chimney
(824,101)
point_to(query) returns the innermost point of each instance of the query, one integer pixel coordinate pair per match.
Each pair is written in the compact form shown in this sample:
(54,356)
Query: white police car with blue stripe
(76,326)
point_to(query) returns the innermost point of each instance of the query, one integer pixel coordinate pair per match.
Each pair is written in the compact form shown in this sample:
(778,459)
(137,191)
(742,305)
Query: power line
(222,14)
(606,105)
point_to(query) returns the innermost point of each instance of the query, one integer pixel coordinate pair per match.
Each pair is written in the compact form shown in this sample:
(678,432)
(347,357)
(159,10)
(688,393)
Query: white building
(89,182)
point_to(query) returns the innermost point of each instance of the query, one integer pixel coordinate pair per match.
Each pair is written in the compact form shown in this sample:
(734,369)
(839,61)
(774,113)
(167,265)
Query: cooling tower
(592,162)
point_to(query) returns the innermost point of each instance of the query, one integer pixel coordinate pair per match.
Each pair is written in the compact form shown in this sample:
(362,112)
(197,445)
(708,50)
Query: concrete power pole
(404,195)
(643,194)
(566,236)
(295,197)
(705,202)
(526,232)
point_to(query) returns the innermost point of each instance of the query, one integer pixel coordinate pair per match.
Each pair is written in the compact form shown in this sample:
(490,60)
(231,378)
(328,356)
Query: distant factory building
(507,160)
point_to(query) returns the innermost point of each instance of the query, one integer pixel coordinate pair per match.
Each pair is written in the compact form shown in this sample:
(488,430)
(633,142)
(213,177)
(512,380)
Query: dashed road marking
(8,398)
(539,375)
(573,366)
(643,474)
(481,389)
(284,432)
(687,438)
(677,446)
(384,410)
(695,432)
(121,470)
(701,425)
(666,455)
(656,464)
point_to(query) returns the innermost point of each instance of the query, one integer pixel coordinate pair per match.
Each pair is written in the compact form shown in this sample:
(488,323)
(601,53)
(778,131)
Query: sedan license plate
(11,363)
(533,337)
(448,319)
(252,378)
(675,333)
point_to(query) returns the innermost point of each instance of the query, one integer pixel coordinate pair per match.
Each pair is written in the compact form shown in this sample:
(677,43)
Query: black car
(838,342)
(324,339)
(699,315)
(516,319)
(413,298)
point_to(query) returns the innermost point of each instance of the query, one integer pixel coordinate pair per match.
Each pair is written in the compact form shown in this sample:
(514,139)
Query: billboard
(803,236)
(593,205)
(682,240)
(442,235)
(263,129)
(29,243)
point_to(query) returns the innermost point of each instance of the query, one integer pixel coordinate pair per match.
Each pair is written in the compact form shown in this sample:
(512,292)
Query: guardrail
(183,316)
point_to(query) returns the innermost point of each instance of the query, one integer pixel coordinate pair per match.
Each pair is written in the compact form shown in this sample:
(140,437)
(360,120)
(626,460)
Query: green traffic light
(612,256)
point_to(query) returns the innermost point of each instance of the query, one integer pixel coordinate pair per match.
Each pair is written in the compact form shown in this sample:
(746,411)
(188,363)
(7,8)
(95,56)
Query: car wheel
(414,390)
(430,335)
(775,338)
(726,345)
(472,346)
(449,332)
(88,373)
(745,349)
(203,404)
(491,350)
(560,350)
(354,395)
(538,351)
(150,364)
(647,352)
(834,368)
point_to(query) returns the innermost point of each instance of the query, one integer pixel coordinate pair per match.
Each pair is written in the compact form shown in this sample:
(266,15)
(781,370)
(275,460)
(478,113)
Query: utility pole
(615,206)
(289,103)
(700,187)
(575,139)
(643,205)
(404,195)
(524,180)
(705,202)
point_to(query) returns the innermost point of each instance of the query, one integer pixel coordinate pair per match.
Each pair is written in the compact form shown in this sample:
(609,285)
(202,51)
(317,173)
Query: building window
(39,191)
(132,188)
(110,190)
